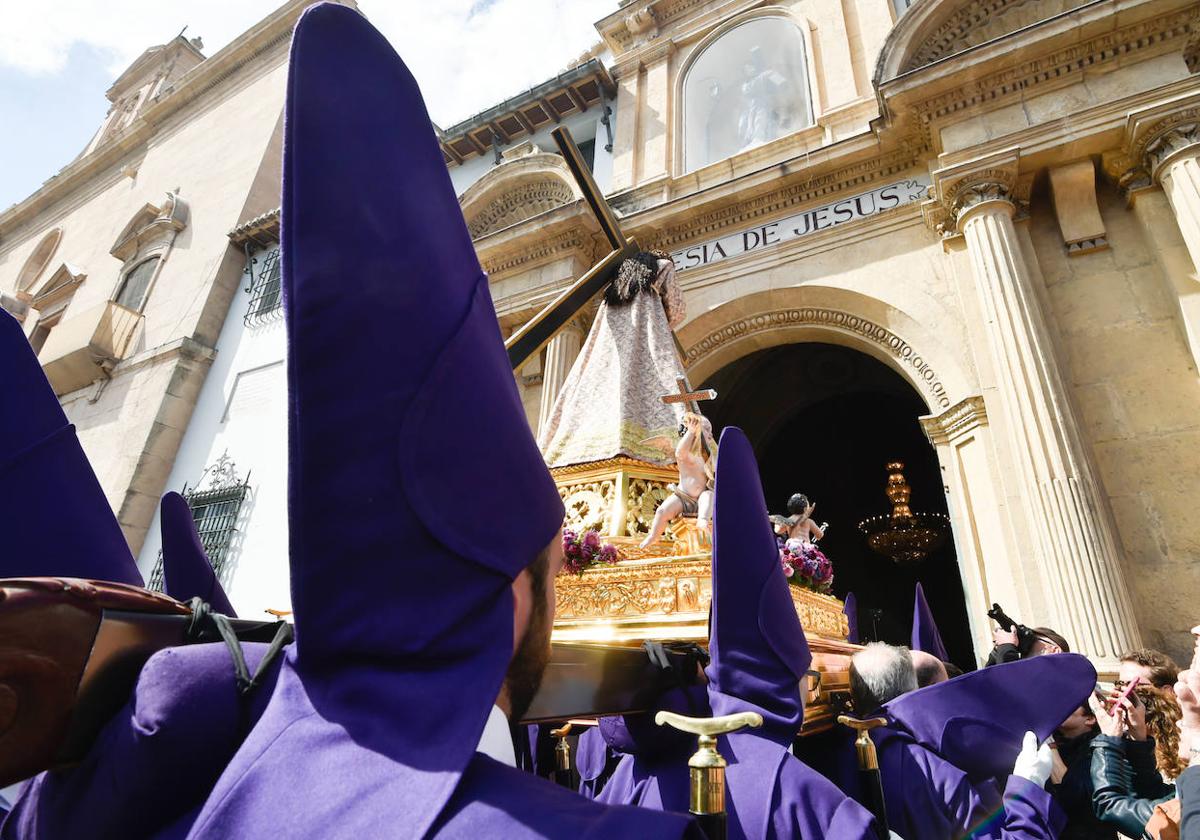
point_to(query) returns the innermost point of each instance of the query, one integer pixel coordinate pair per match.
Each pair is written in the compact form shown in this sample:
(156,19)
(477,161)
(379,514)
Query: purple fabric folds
(187,572)
(49,486)
(156,761)
(402,406)
(925,635)
(977,721)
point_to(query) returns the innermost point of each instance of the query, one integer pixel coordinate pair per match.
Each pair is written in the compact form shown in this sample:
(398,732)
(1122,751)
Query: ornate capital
(955,421)
(1153,138)
(959,189)
(1170,144)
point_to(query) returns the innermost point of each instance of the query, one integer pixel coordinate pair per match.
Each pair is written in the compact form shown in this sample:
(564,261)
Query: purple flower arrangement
(582,551)
(805,565)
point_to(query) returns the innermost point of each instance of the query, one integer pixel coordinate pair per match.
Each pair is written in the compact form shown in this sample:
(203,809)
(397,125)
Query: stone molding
(951,424)
(1154,137)
(921,371)
(522,202)
(571,242)
(960,189)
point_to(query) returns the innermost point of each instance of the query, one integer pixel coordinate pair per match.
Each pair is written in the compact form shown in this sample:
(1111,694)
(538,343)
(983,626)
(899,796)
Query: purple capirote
(187,572)
(402,409)
(55,518)
(925,635)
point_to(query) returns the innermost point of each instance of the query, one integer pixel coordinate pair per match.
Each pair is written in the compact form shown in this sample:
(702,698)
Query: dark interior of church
(825,420)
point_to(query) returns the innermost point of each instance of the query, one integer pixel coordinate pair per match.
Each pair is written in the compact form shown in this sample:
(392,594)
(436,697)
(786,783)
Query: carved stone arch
(151,227)
(935,29)
(836,316)
(37,262)
(517,190)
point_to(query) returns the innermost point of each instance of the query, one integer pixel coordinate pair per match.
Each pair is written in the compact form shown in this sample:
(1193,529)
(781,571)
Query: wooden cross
(684,395)
(531,338)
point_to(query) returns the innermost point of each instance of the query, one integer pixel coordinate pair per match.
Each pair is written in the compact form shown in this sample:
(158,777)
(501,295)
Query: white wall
(242,410)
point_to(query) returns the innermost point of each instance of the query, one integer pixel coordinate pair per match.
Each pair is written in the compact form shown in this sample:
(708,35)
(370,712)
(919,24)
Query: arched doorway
(825,420)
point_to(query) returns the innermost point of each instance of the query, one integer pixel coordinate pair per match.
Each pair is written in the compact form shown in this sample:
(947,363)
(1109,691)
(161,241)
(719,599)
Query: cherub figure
(798,524)
(693,496)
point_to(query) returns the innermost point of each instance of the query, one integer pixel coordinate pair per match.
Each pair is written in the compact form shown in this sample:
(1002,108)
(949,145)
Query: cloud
(466,54)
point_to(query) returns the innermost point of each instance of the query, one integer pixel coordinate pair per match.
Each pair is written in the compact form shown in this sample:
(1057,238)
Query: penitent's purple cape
(948,743)
(402,405)
(925,635)
(54,516)
(759,657)
(187,572)
(850,609)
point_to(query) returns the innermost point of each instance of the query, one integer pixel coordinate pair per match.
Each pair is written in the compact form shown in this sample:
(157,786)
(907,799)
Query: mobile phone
(1125,692)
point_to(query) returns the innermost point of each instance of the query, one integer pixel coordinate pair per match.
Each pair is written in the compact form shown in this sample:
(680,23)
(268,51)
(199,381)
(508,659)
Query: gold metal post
(868,759)
(706,767)
(562,750)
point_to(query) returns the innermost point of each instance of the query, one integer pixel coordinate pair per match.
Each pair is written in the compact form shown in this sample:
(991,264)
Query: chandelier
(903,536)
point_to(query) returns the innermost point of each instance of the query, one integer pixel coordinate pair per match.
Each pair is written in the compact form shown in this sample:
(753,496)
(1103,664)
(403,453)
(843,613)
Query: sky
(58,57)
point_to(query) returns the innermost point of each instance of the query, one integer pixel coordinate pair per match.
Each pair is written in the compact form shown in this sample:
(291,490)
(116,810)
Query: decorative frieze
(922,372)
(523,201)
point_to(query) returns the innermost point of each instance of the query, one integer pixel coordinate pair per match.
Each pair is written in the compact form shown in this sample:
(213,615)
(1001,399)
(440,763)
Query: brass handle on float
(707,767)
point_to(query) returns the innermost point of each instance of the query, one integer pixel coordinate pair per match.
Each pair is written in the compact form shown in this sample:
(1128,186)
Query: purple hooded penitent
(759,657)
(54,516)
(850,609)
(187,573)
(403,419)
(947,745)
(925,635)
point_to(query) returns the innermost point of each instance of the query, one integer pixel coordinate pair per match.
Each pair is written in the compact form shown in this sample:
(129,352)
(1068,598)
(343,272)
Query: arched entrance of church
(825,419)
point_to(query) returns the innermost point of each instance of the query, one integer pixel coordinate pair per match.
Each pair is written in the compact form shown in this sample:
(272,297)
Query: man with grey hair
(879,673)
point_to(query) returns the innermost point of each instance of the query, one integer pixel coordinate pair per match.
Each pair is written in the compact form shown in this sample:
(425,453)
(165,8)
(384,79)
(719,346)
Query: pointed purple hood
(850,609)
(925,635)
(758,648)
(977,721)
(187,572)
(46,482)
(416,491)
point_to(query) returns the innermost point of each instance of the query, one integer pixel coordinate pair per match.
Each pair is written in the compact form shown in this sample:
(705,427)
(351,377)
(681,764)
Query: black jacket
(1074,792)
(1124,792)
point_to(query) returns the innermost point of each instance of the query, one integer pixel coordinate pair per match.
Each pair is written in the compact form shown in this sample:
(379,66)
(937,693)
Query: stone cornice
(272,34)
(955,421)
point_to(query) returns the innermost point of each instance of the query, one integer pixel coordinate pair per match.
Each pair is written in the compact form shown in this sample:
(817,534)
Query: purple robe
(947,744)
(925,635)
(46,483)
(187,572)
(403,606)
(759,656)
(595,761)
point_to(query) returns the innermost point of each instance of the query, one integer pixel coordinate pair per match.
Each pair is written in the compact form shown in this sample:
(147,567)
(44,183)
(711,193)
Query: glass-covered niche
(747,88)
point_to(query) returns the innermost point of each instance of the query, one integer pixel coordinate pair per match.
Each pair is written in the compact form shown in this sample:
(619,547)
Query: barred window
(264,287)
(216,502)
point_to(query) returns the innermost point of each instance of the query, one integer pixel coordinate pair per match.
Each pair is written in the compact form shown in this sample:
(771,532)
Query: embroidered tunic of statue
(611,403)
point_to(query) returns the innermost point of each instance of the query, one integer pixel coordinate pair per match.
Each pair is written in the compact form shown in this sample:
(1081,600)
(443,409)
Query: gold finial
(706,765)
(562,750)
(867,757)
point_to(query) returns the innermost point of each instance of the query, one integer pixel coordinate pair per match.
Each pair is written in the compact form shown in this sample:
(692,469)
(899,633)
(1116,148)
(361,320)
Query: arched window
(748,87)
(132,292)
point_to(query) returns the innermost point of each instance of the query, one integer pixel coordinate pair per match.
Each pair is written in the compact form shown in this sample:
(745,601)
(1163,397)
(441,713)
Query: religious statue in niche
(797,534)
(693,495)
(764,113)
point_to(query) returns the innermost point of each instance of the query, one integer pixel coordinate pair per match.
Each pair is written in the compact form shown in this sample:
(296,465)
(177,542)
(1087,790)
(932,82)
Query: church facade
(997,201)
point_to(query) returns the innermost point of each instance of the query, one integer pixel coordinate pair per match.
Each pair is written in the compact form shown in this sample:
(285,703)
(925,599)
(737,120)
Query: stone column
(1081,571)
(560,355)
(1171,160)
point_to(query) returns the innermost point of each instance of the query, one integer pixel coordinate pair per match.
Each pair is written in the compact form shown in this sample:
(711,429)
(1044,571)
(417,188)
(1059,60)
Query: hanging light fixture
(902,536)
